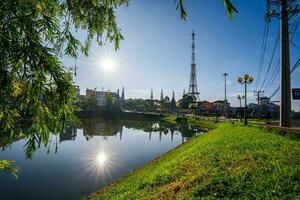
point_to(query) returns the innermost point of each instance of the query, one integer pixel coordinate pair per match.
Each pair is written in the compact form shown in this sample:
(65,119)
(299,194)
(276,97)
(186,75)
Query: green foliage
(109,100)
(186,101)
(230,162)
(90,102)
(5,165)
(140,104)
(230,9)
(34,35)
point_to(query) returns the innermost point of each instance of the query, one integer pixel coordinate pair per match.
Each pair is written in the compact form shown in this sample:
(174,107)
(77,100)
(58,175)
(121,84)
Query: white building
(102,97)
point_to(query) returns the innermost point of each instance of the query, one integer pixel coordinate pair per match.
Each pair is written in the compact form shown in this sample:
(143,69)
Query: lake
(85,158)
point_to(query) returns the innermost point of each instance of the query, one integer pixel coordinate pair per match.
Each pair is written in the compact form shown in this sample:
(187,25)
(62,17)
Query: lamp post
(225,100)
(240,99)
(225,75)
(245,80)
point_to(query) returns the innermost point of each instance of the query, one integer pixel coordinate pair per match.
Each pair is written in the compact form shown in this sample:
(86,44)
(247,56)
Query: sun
(108,64)
(101,158)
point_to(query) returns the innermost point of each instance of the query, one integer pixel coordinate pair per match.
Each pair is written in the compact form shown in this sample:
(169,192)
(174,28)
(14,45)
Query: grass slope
(233,162)
(191,121)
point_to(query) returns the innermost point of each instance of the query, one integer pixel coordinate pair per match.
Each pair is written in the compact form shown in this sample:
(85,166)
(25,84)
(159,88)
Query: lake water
(85,158)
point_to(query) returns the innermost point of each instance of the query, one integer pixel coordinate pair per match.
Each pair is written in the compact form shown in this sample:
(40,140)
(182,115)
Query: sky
(156,51)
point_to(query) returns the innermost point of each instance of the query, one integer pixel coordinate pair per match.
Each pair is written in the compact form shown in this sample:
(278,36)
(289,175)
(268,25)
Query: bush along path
(232,161)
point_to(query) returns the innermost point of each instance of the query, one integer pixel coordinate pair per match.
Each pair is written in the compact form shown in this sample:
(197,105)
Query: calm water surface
(85,158)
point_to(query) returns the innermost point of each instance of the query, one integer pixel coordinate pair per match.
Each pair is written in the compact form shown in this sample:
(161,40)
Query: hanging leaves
(34,86)
(230,9)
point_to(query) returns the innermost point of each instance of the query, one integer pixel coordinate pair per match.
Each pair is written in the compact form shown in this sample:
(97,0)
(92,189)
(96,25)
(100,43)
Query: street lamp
(225,75)
(240,99)
(245,80)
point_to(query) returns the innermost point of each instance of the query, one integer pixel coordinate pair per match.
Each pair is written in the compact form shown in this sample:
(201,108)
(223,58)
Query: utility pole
(225,75)
(287,9)
(285,79)
(258,94)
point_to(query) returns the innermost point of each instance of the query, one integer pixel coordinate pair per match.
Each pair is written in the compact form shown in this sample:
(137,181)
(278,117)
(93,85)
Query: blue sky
(156,52)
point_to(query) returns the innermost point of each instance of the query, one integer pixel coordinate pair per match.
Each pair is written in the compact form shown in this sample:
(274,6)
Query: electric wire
(292,70)
(273,76)
(271,60)
(263,51)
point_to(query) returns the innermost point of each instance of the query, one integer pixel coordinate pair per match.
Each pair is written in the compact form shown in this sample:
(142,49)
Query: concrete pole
(258,103)
(225,75)
(285,80)
(240,109)
(245,110)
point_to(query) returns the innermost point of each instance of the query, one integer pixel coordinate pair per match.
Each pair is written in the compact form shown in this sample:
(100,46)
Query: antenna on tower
(193,89)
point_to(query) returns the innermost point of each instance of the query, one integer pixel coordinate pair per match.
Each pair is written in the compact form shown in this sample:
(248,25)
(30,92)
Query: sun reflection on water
(101,158)
(101,161)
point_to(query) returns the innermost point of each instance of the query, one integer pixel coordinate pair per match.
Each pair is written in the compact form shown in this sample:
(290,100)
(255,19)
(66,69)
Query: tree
(186,101)
(109,101)
(230,9)
(34,35)
(173,104)
(90,101)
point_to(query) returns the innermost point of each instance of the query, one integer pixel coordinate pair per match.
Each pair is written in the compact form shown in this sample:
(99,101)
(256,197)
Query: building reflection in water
(69,134)
(110,128)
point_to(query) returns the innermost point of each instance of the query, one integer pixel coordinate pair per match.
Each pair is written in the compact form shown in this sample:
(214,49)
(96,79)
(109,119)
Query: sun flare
(101,158)
(108,64)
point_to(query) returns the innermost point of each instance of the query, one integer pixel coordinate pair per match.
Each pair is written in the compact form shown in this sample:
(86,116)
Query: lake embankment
(232,161)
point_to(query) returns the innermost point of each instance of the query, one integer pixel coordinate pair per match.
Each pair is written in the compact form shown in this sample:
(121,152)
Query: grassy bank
(191,121)
(228,162)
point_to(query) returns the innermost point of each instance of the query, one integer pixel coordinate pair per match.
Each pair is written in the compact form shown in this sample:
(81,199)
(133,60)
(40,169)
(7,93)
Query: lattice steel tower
(193,89)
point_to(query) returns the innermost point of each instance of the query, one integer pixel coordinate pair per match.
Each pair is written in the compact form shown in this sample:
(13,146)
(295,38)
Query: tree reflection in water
(98,127)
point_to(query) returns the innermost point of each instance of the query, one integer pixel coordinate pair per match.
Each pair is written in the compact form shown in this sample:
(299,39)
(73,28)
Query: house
(204,107)
(220,107)
(104,98)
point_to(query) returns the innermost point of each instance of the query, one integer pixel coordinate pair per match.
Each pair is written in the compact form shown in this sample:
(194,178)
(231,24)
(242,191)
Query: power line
(296,66)
(286,12)
(263,51)
(295,25)
(273,76)
(273,94)
(296,46)
(271,60)
(292,70)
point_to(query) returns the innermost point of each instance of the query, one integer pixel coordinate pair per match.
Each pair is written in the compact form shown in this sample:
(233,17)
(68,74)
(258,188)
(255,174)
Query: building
(79,98)
(103,97)
(77,90)
(220,107)
(267,108)
(204,107)
(264,100)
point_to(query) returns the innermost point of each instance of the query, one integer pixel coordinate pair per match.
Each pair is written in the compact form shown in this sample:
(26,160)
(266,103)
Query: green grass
(191,121)
(232,162)
(202,123)
(169,118)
